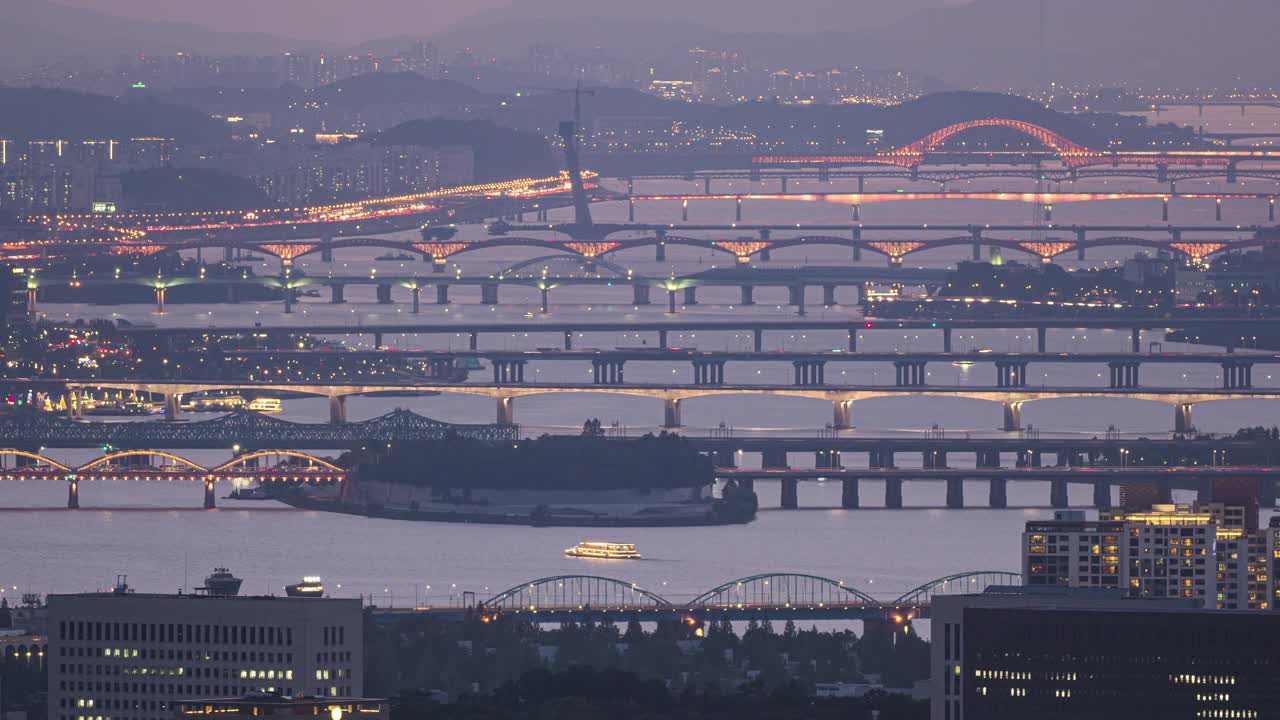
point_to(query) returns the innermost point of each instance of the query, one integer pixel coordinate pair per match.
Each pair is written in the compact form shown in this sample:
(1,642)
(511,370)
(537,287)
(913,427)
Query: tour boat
(222,582)
(309,587)
(604,551)
(265,405)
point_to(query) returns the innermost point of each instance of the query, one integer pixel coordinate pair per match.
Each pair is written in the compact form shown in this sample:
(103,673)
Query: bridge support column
(473,341)
(1029,458)
(1182,418)
(506,411)
(842,414)
(337,294)
(1271,209)
(210,501)
(489,294)
(660,252)
(671,414)
(737,209)
(73,494)
(934,458)
(1012,416)
(684,210)
(546,300)
(757,337)
(160,300)
(828,295)
(1080,252)
(439,264)
(226,253)
(1042,339)
(882,459)
(442,294)
(662,339)
(946,339)
(955,493)
(748,295)
(337,409)
(1164,210)
(765,255)
(790,493)
(171,406)
(1058,493)
(691,296)
(998,494)
(1135,340)
(795,296)
(671,301)
(1101,494)
(631,209)
(639,294)
(377,340)
(1217,210)
(849,499)
(893,493)
(417,299)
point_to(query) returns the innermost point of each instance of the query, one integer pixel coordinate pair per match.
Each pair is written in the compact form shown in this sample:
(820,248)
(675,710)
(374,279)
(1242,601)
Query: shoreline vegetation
(575,481)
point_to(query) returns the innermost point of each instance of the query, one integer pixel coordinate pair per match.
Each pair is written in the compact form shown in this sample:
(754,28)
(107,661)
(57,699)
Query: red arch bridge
(775,595)
(261,466)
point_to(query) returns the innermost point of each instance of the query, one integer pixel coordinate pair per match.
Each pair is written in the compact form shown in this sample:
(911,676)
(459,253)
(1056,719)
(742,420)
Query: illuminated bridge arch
(567,592)
(782,589)
(959,584)
(110,459)
(246,461)
(1072,153)
(40,461)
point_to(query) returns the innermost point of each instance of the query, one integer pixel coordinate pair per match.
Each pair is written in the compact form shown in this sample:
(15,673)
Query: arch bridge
(772,595)
(261,466)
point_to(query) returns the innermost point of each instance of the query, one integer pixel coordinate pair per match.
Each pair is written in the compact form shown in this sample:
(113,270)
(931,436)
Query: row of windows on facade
(171,654)
(93,631)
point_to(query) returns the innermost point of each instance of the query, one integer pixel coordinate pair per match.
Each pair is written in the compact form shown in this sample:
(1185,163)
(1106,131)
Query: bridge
(852,329)
(261,466)
(1072,154)
(1011,391)
(773,595)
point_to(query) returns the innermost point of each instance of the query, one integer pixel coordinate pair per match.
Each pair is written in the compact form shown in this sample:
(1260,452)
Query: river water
(151,531)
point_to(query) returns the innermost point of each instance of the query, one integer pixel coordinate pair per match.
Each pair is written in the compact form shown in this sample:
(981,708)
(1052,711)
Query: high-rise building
(127,656)
(1017,653)
(1071,551)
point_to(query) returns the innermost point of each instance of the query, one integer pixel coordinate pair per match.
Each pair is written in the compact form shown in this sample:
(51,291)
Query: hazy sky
(353,21)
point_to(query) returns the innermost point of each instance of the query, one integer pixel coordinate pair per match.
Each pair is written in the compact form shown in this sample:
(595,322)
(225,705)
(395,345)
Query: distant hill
(500,153)
(179,189)
(39,32)
(35,113)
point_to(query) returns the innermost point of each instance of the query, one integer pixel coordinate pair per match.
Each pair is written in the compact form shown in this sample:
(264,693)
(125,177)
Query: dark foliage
(178,189)
(37,113)
(500,153)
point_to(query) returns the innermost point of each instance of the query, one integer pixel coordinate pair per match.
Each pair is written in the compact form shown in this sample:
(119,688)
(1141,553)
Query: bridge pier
(1182,418)
(171,406)
(546,300)
(790,493)
(417,299)
(893,493)
(737,209)
(684,210)
(506,411)
(691,295)
(377,340)
(507,372)
(1042,339)
(1058,493)
(934,458)
(489,294)
(210,500)
(998,494)
(1101,493)
(473,340)
(849,499)
(748,295)
(671,302)
(606,372)
(757,336)
(439,264)
(337,294)
(795,296)
(955,493)
(73,494)
(662,339)
(708,372)
(660,252)
(842,414)
(909,373)
(881,459)
(1012,416)
(639,294)
(337,409)
(1237,374)
(631,209)
(1135,340)
(810,373)
(1029,458)
(442,294)
(1011,373)
(1123,374)
(764,255)
(946,339)
(384,293)
(1164,210)
(671,413)
(857,212)
(828,295)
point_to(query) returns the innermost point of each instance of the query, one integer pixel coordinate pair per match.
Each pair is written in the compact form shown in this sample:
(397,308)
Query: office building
(127,656)
(1047,653)
(1072,552)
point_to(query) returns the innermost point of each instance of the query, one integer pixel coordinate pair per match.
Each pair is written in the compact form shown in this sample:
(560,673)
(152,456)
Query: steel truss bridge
(778,595)
(241,427)
(261,466)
